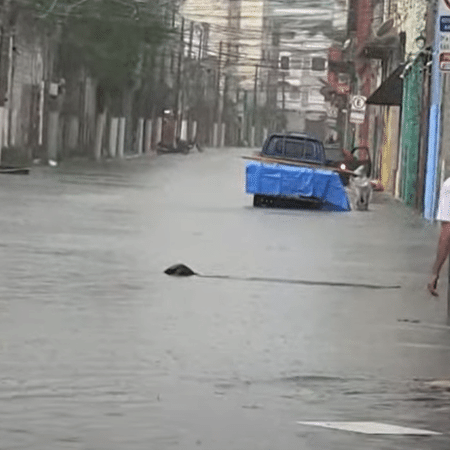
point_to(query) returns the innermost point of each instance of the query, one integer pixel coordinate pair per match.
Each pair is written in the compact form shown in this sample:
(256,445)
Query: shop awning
(390,91)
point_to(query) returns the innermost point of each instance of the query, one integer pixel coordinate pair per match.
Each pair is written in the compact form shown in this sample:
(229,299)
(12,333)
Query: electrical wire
(49,10)
(250,40)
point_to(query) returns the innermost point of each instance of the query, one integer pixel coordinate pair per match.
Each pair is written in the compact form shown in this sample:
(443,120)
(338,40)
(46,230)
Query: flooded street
(100,350)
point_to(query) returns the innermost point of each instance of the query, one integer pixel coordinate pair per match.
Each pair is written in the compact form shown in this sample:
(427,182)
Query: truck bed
(286,179)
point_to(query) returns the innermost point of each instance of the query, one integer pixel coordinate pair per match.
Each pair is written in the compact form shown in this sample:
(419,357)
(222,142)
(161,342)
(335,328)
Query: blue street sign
(445,23)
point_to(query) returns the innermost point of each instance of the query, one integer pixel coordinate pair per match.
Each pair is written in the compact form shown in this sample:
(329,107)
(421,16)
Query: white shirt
(444,202)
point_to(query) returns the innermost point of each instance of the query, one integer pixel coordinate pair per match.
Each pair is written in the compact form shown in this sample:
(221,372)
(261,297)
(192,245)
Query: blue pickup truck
(295,146)
(294,166)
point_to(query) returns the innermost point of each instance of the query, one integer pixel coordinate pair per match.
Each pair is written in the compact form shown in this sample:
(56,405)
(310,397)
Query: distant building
(239,26)
(303,65)
(234,54)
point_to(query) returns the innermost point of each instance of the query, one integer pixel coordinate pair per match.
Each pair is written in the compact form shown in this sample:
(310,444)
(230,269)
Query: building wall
(365,68)
(389,149)
(249,37)
(303,83)
(251,42)
(412,18)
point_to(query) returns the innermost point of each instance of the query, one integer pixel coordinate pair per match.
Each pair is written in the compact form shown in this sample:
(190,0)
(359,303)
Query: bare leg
(442,254)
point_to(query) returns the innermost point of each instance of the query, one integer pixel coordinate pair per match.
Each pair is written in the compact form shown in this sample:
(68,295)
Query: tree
(107,37)
(110,40)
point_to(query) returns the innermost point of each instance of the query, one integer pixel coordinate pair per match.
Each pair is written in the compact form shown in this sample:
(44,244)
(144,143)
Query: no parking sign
(358,111)
(359,103)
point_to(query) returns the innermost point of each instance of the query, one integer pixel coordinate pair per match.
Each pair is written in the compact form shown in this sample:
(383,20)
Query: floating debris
(181,270)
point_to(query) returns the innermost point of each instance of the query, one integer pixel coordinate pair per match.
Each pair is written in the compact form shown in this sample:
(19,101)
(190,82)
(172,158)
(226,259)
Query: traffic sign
(359,103)
(444,45)
(444,23)
(357,117)
(444,61)
(444,35)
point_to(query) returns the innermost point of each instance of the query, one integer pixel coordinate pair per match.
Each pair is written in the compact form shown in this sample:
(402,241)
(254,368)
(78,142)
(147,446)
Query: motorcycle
(350,161)
(183,147)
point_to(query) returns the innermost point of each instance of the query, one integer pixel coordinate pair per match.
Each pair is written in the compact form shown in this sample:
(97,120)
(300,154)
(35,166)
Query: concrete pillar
(148,136)
(13,128)
(101,122)
(184,130)
(252,137)
(53,125)
(222,135)
(2,113)
(194,130)
(121,141)
(159,127)
(215,135)
(140,136)
(113,133)
(4,126)
(265,134)
(73,131)
(175,128)
(41,113)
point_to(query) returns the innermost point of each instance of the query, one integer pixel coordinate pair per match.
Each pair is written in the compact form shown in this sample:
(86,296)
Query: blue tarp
(281,180)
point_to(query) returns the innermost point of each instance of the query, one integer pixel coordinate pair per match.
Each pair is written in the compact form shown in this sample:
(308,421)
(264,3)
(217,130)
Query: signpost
(358,111)
(439,65)
(357,117)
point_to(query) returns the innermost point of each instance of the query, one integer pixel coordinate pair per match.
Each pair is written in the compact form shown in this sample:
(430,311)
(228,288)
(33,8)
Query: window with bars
(295,93)
(318,64)
(304,98)
(314,96)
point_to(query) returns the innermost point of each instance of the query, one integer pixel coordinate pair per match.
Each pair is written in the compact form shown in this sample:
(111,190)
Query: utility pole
(219,75)
(178,85)
(186,97)
(271,92)
(200,45)
(246,118)
(255,95)
(5,70)
(191,37)
(345,144)
(276,72)
(434,125)
(234,25)
(4,50)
